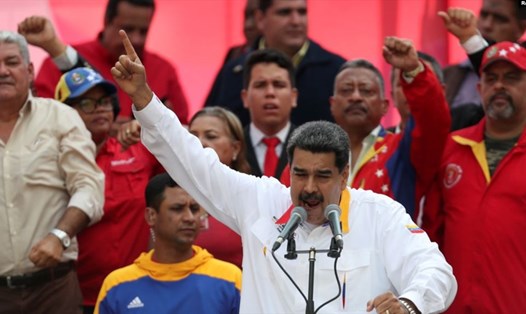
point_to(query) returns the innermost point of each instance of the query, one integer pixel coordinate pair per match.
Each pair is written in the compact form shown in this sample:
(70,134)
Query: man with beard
(387,263)
(476,211)
(400,165)
(499,20)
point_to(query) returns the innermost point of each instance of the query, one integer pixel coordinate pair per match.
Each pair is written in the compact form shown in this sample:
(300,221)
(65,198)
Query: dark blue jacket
(314,81)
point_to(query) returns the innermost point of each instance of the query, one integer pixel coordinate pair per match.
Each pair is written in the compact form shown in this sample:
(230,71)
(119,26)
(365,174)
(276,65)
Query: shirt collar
(28,105)
(256,136)
(297,58)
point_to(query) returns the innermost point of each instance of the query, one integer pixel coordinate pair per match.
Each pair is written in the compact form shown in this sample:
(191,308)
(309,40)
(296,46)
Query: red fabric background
(195,34)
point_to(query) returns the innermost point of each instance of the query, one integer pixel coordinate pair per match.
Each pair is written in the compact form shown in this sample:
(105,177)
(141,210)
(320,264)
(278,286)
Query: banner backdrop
(195,34)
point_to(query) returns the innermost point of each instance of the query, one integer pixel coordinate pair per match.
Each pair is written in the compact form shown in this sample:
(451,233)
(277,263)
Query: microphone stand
(310,298)
(293,254)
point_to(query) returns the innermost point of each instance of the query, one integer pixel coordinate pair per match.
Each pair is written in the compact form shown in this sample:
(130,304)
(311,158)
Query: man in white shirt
(50,189)
(388,264)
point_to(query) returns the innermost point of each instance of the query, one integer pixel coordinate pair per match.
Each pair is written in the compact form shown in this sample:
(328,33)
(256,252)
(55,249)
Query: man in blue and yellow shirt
(176,276)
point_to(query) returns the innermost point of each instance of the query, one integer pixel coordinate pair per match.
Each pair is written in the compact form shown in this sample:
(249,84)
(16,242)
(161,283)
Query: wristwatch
(410,309)
(413,73)
(62,236)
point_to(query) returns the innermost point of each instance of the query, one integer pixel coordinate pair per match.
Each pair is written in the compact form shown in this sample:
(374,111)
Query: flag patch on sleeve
(414,228)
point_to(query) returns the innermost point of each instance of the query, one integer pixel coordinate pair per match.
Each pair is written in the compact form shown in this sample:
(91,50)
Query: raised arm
(424,137)
(39,32)
(401,54)
(462,24)
(130,75)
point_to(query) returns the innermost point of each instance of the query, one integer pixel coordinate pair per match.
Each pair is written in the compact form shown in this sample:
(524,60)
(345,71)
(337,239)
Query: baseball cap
(76,82)
(505,51)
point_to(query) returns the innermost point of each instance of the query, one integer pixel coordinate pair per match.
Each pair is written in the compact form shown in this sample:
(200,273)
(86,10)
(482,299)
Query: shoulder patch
(414,228)
(452,176)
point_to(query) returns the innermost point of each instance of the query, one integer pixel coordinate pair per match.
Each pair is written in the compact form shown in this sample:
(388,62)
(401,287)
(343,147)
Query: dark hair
(321,137)
(111,7)
(437,69)
(519,10)
(264,5)
(235,128)
(154,193)
(363,64)
(267,56)
(434,64)
(250,8)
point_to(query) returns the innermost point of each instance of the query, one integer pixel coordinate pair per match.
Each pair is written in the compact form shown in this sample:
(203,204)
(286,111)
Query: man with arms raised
(387,263)
(476,212)
(401,165)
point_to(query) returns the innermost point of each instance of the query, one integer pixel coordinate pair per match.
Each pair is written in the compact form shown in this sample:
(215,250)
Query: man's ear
(294,97)
(150,215)
(259,17)
(244,97)
(31,70)
(345,176)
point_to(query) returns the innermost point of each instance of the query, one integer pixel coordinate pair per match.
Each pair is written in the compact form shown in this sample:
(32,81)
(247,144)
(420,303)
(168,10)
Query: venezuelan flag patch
(414,228)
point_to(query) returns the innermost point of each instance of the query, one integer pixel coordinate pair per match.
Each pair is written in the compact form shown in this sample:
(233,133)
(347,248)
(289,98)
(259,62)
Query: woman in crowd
(122,233)
(221,130)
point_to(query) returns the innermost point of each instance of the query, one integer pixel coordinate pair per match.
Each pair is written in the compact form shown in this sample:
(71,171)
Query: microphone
(332,213)
(298,215)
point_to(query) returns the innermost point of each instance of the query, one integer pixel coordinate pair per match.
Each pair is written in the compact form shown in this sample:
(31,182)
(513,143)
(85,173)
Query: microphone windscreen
(330,208)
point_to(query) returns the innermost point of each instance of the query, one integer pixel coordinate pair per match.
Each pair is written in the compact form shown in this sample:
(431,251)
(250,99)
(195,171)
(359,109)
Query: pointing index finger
(130,51)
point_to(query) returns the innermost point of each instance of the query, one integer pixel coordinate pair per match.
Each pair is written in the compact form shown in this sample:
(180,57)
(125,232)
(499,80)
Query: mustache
(503,95)
(307,197)
(356,105)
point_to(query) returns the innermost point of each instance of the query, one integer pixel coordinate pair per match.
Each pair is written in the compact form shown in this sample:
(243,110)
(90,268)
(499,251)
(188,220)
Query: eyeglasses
(89,105)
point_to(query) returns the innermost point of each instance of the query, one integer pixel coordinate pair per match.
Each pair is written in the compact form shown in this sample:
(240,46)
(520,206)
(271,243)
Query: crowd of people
(114,200)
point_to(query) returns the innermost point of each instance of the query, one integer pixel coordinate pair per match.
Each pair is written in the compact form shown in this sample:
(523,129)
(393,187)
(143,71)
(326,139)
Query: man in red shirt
(403,165)
(476,211)
(134,16)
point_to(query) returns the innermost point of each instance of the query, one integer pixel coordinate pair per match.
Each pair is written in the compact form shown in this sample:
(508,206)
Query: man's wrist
(413,73)
(474,43)
(64,238)
(142,97)
(409,306)
(67,59)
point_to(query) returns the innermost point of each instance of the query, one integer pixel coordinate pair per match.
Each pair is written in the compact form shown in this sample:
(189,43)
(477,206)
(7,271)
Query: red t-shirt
(122,233)
(163,78)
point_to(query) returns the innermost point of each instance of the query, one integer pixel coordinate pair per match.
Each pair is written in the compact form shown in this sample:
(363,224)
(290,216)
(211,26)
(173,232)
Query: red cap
(505,51)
